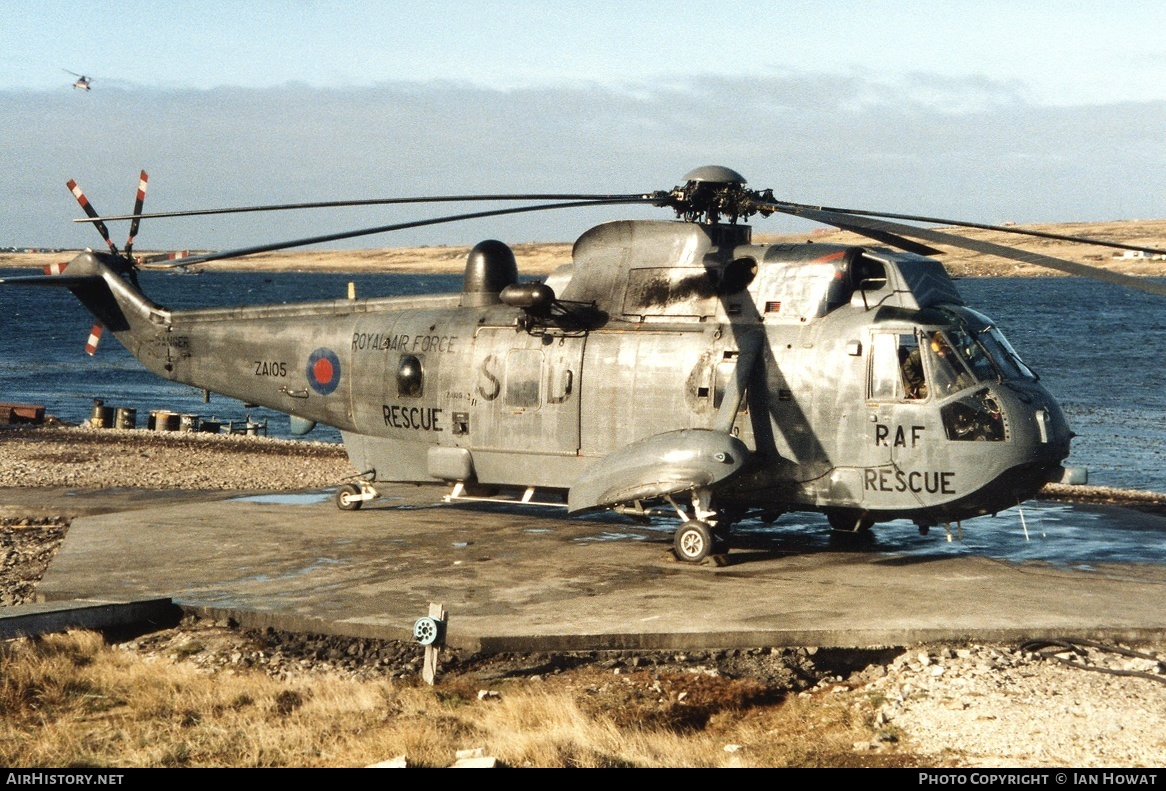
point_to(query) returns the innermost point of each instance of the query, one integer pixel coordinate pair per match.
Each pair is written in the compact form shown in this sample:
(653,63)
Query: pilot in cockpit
(911,366)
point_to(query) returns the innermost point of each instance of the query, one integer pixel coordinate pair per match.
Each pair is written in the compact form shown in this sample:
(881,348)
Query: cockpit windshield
(994,342)
(1004,355)
(972,353)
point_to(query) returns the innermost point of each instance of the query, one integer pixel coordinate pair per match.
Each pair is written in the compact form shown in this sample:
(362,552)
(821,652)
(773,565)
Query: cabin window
(524,368)
(1007,361)
(410,377)
(896,368)
(885,381)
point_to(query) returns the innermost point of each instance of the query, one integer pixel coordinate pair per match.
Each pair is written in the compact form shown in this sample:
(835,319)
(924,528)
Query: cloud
(970,148)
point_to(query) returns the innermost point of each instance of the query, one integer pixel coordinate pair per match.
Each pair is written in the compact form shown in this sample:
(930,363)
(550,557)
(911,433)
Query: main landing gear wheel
(693,542)
(348,497)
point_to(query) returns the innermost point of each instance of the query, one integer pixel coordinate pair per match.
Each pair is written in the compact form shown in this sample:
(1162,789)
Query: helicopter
(82,82)
(674,366)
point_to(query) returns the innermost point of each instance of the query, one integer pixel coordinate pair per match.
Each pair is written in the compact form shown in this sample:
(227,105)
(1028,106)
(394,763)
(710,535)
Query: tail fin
(95,279)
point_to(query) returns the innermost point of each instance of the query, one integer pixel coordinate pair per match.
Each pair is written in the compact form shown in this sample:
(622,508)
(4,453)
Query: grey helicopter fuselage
(863,386)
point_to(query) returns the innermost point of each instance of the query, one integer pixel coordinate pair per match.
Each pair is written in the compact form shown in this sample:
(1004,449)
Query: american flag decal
(94,339)
(772,307)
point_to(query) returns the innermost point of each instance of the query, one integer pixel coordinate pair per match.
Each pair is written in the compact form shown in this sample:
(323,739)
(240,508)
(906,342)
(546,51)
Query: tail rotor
(94,338)
(89,210)
(129,264)
(143,179)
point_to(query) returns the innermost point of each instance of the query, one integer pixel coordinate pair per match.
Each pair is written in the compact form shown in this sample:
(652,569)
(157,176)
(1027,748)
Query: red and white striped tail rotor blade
(55,269)
(94,339)
(89,210)
(138,201)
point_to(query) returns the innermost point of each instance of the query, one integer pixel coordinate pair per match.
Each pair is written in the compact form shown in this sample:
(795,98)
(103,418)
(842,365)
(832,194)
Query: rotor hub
(712,193)
(715,174)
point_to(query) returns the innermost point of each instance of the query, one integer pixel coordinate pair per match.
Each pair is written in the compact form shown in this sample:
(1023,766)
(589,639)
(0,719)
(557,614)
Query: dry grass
(71,701)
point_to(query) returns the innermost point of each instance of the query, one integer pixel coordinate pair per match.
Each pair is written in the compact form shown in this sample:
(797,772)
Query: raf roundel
(323,370)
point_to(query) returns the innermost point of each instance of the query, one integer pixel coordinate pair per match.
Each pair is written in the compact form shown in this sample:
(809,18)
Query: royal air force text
(376,341)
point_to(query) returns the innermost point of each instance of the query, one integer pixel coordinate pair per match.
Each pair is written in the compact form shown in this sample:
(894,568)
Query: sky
(988,111)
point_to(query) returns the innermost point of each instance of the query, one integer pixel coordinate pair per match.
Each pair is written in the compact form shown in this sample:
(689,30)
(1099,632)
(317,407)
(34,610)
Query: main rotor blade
(332,237)
(855,223)
(368,202)
(968,224)
(894,240)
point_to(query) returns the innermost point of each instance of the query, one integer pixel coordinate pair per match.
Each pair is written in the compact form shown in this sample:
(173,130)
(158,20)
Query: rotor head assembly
(713,192)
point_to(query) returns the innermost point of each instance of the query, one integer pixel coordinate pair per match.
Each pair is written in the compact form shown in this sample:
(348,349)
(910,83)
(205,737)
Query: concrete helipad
(531,579)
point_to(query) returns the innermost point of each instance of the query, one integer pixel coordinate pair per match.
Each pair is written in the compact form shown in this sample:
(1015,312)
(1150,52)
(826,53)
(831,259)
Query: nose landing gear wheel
(348,497)
(848,521)
(721,537)
(693,542)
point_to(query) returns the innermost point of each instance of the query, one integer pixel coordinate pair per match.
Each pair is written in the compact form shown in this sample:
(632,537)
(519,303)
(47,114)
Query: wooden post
(429,668)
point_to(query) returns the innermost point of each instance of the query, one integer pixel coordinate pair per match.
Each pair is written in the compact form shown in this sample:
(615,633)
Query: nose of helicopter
(1038,427)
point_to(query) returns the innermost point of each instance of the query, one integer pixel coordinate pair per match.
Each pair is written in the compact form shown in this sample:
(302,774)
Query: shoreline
(541,258)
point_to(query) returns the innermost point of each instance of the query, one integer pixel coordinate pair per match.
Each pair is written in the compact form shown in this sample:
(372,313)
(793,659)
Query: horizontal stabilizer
(50,280)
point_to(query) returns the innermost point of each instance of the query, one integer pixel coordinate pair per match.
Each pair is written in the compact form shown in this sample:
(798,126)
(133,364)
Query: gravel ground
(936,705)
(28,544)
(86,458)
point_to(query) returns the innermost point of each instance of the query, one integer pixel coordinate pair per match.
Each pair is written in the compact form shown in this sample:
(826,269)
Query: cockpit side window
(948,371)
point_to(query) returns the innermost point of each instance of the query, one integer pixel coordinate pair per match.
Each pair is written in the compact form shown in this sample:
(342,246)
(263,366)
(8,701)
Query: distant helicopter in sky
(82,82)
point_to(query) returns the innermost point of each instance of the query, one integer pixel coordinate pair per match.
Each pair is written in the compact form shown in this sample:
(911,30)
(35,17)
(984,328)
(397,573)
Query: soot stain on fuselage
(662,291)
